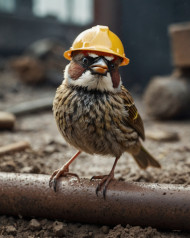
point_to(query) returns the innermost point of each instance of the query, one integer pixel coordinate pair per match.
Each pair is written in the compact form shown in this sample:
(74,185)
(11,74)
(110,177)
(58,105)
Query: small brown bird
(94,112)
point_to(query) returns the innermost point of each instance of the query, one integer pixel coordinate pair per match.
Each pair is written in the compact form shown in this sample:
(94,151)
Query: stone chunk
(11,230)
(168,97)
(160,135)
(105,229)
(59,228)
(34,225)
(7,120)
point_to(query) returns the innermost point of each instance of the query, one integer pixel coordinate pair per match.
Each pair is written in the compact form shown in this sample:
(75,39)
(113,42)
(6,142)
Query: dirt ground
(49,151)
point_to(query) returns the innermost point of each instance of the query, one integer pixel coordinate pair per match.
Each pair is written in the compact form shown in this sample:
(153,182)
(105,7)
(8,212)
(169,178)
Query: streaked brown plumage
(97,115)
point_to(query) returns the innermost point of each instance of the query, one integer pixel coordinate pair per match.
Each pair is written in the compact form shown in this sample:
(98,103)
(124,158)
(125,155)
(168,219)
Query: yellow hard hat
(98,38)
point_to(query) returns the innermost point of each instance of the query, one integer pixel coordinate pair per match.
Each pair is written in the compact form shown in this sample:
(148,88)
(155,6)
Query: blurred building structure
(141,25)
(24,21)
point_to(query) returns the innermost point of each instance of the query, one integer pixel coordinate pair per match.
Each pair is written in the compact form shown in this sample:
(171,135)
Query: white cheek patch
(109,58)
(85,80)
(89,81)
(92,55)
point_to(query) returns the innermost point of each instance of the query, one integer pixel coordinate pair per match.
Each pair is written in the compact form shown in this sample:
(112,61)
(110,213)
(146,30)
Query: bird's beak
(99,67)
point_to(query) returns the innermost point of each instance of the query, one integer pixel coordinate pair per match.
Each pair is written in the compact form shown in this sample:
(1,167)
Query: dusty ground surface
(49,151)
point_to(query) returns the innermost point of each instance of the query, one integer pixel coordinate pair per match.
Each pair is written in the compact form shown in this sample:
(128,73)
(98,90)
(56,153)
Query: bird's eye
(85,61)
(112,66)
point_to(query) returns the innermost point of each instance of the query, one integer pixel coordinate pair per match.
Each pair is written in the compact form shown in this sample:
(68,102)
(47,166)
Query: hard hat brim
(67,54)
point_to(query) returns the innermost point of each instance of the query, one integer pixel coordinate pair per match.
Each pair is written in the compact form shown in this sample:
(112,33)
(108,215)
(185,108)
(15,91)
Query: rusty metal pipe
(163,206)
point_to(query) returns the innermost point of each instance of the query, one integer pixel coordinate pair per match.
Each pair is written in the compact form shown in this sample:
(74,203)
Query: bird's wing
(134,118)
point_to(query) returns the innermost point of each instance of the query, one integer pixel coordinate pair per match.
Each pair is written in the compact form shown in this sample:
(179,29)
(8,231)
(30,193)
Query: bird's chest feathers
(86,108)
(90,120)
(85,112)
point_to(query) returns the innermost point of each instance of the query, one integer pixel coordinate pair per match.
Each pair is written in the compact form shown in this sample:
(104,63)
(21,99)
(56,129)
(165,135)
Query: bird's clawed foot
(105,180)
(62,172)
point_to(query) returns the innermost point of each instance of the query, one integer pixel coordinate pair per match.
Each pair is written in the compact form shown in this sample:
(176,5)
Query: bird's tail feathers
(144,159)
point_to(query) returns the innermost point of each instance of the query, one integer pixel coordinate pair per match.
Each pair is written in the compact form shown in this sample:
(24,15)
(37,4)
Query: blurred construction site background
(41,27)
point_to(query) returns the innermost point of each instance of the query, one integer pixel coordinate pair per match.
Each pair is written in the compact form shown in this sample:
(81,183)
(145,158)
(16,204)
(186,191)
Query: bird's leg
(63,171)
(105,179)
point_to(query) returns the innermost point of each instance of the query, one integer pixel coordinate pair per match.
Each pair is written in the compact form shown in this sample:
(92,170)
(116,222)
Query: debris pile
(168,97)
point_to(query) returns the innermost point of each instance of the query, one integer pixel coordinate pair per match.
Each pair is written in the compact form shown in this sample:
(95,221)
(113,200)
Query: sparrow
(96,114)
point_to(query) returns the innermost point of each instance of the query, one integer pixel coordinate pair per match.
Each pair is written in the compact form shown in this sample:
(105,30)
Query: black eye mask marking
(87,61)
